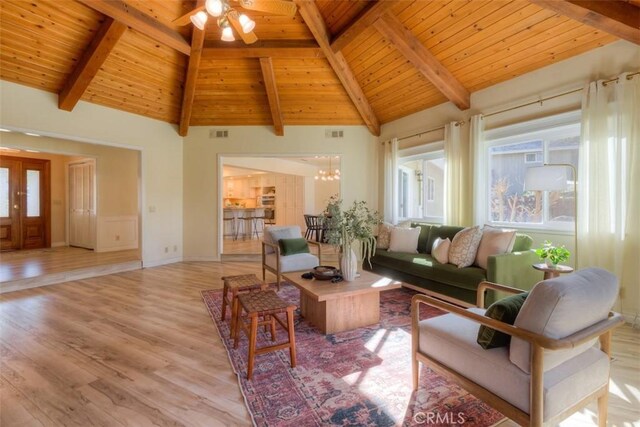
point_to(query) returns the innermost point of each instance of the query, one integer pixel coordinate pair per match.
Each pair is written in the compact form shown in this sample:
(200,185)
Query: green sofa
(421,270)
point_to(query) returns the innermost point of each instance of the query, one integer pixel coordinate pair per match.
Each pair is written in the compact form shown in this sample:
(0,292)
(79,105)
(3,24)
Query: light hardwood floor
(40,267)
(139,348)
(30,263)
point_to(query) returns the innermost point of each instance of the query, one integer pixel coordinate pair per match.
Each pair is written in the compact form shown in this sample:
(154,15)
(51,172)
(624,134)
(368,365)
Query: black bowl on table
(324,272)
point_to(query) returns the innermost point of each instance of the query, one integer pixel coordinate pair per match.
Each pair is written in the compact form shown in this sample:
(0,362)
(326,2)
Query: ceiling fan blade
(249,37)
(186,18)
(277,7)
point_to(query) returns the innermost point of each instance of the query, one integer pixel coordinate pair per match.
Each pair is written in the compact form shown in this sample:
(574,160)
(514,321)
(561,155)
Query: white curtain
(608,180)
(390,158)
(478,166)
(454,175)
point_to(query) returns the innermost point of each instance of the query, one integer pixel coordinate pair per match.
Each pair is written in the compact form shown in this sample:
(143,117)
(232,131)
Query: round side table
(551,272)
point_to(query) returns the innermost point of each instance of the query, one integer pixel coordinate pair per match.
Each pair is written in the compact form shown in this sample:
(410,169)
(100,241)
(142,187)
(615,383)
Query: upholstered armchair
(553,365)
(274,261)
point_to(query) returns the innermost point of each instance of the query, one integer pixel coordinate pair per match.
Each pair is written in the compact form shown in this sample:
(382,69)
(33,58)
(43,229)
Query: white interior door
(82,211)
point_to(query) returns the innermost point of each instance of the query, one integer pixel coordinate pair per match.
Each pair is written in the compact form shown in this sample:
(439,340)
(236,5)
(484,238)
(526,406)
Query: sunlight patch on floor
(370,381)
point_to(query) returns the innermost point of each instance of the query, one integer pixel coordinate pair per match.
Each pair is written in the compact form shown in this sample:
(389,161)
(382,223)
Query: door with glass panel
(24,203)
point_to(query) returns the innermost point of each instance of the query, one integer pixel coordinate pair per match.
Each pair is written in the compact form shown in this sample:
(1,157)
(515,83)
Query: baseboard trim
(201,259)
(58,244)
(159,262)
(632,318)
(117,248)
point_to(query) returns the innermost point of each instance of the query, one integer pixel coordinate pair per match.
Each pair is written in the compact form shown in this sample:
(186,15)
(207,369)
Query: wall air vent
(333,133)
(215,133)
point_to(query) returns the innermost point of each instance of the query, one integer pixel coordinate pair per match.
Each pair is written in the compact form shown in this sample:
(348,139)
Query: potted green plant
(351,229)
(553,255)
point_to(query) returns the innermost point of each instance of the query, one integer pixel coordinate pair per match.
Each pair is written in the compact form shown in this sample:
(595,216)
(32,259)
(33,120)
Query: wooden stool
(268,305)
(238,284)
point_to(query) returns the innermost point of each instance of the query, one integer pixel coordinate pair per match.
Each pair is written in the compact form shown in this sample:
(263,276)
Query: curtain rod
(548,98)
(538,101)
(427,131)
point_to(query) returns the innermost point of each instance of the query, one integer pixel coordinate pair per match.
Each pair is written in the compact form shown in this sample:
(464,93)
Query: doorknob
(16,207)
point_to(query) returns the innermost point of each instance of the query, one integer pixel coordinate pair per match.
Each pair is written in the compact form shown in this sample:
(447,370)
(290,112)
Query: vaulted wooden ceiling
(335,62)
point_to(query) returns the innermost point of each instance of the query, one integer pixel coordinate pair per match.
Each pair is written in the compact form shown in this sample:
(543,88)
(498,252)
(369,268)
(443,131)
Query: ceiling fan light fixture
(214,7)
(247,23)
(227,34)
(199,19)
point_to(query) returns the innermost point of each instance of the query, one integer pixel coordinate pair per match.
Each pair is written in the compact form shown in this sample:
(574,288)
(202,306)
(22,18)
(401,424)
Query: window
(4,192)
(533,158)
(403,193)
(508,158)
(421,187)
(33,193)
(431,189)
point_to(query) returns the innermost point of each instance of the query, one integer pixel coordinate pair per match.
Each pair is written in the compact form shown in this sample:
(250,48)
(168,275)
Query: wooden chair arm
(318,246)
(495,286)
(275,247)
(580,337)
(276,250)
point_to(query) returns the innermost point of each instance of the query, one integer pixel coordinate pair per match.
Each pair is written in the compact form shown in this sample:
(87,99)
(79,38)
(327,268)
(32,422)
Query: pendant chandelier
(328,175)
(221,10)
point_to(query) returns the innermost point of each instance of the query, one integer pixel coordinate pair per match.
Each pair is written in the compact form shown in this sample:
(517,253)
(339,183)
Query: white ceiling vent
(333,133)
(214,133)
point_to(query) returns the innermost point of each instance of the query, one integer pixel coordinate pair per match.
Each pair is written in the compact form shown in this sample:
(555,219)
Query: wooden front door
(24,203)
(9,204)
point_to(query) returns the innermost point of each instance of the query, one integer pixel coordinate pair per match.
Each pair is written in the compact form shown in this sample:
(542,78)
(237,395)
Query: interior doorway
(82,204)
(277,190)
(25,191)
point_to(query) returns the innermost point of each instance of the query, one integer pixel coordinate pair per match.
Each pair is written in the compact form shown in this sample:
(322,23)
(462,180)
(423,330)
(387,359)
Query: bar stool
(242,215)
(258,219)
(268,305)
(236,285)
(228,216)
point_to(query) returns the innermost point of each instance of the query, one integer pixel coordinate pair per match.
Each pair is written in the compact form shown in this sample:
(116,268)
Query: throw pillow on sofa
(384,235)
(440,250)
(464,247)
(494,241)
(404,240)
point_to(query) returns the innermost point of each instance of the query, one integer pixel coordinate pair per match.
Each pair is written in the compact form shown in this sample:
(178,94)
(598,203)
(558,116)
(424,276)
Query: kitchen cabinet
(268,180)
(238,188)
(290,200)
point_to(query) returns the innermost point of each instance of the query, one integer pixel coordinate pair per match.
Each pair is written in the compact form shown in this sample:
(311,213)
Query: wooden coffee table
(337,307)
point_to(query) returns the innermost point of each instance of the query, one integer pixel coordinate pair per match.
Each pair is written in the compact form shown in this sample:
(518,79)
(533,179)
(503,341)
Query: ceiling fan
(227,16)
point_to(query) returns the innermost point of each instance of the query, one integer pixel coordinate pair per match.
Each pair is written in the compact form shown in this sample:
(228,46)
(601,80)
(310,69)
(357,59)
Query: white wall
(602,63)
(323,191)
(358,151)
(23,108)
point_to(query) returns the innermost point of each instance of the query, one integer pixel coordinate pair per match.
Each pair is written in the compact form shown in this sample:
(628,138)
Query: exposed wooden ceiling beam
(361,23)
(618,18)
(139,21)
(99,49)
(189,91)
(272,94)
(262,49)
(315,22)
(427,64)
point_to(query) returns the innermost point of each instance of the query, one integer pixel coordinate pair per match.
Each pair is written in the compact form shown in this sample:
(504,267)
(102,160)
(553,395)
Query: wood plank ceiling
(336,62)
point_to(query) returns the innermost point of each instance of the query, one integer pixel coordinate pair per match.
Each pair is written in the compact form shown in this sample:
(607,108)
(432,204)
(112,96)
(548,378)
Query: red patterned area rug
(354,378)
